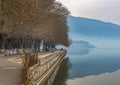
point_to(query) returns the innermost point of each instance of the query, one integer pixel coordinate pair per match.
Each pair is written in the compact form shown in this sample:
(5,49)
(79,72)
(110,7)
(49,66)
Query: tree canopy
(28,23)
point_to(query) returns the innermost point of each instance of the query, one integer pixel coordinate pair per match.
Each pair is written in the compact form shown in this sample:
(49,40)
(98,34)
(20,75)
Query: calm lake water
(96,66)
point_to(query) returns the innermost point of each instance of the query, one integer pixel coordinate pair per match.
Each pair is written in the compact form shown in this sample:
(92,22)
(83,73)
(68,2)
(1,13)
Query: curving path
(10,69)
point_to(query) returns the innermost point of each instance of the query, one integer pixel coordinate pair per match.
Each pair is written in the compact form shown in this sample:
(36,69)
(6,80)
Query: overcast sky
(105,10)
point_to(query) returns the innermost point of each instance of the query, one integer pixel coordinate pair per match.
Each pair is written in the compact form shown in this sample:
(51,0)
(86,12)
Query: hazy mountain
(80,47)
(82,44)
(92,27)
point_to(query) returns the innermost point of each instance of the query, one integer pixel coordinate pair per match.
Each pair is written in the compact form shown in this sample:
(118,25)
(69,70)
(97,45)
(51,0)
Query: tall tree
(33,21)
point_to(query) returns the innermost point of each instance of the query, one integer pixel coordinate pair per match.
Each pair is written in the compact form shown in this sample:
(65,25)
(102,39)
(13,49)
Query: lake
(90,66)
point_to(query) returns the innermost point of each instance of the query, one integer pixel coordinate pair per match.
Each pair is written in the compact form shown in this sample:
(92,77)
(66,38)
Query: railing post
(25,70)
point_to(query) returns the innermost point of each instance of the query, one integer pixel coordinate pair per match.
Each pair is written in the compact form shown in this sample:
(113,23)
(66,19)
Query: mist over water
(94,55)
(96,63)
(92,66)
(98,42)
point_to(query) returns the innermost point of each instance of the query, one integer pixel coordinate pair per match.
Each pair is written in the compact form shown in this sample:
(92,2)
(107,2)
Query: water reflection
(102,79)
(62,75)
(96,62)
(83,51)
(96,67)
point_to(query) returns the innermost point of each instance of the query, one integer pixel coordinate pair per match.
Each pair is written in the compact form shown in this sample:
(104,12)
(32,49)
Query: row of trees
(31,23)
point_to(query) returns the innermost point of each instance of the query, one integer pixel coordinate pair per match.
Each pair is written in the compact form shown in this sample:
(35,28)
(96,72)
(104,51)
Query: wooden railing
(25,71)
(28,61)
(34,68)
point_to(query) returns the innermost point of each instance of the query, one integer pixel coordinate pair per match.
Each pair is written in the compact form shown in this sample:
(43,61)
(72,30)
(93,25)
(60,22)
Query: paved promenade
(10,69)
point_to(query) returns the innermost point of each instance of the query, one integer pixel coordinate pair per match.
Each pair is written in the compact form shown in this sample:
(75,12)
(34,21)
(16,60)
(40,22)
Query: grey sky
(105,10)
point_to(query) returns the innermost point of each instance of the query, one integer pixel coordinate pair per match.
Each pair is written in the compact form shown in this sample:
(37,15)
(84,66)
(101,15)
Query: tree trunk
(43,45)
(33,43)
(22,44)
(39,47)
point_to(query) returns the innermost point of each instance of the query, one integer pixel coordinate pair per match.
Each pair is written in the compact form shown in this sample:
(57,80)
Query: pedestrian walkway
(11,69)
